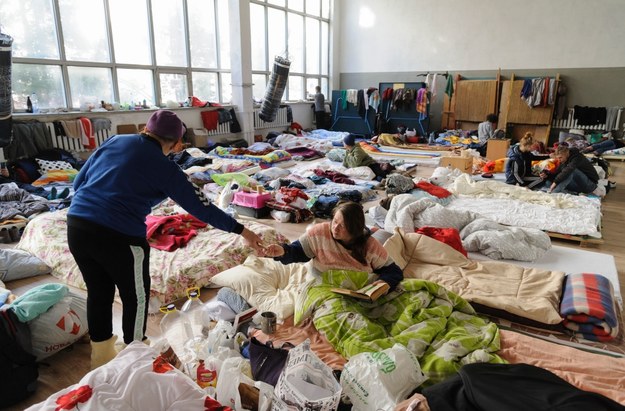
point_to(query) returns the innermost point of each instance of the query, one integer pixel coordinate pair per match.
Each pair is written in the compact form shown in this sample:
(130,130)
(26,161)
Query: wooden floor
(68,366)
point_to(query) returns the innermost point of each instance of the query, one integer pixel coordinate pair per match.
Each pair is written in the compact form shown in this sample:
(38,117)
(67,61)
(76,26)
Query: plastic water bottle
(175,327)
(35,102)
(193,312)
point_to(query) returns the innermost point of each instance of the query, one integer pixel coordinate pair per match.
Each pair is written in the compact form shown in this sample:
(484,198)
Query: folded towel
(588,307)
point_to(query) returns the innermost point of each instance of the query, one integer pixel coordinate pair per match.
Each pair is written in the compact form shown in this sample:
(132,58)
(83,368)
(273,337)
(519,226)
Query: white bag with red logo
(59,327)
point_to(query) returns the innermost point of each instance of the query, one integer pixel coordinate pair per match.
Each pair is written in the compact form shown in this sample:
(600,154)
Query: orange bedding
(295,335)
(588,371)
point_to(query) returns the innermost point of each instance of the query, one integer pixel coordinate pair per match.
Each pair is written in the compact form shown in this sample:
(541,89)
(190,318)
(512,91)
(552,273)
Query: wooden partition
(472,101)
(517,118)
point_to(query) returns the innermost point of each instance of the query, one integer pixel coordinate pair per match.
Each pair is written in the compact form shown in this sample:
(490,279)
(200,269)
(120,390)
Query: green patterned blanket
(438,326)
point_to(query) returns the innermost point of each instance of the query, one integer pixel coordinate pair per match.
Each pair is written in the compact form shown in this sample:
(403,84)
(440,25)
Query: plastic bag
(306,383)
(379,380)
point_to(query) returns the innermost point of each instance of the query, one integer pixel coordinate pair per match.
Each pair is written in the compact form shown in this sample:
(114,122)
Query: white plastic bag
(379,380)
(306,383)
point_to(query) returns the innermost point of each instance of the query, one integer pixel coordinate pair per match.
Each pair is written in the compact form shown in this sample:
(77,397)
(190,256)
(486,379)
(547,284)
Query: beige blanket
(527,292)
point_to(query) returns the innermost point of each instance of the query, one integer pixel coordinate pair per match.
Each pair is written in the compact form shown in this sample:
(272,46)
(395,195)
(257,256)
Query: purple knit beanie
(166,124)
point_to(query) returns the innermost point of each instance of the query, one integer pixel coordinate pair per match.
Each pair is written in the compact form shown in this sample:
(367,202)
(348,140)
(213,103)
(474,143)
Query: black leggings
(109,259)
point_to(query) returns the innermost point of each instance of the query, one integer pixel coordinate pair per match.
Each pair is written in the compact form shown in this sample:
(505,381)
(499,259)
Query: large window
(76,53)
(297,30)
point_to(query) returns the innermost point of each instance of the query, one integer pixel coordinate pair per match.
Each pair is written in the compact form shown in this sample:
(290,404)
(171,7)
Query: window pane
(276,32)
(313,7)
(257,32)
(296,42)
(46,81)
(202,35)
(169,35)
(325,9)
(173,87)
(90,85)
(84,30)
(324,88)
(136,86)
(325,45)
(31,24)
(297,5)
(224,34)
(312,45)
(205,86)
(280,3)
(129,20)
(226,88)
(260,85)
(296,84)
(311,83)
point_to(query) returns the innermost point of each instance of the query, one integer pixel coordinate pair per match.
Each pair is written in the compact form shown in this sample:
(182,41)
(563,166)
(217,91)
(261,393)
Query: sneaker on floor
(612,184)
(599,191)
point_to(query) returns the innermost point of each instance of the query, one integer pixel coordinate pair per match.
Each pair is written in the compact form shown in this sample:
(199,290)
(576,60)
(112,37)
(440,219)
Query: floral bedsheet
(210,252)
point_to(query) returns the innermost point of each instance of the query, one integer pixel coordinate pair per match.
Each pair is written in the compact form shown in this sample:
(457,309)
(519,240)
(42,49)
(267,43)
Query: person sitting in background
(355,156)
(519,165)
(603,146)
(345,243)
(575,174)
(486,130)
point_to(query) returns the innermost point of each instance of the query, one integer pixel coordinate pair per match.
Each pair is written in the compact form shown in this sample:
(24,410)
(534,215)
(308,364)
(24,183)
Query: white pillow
(265,284)
(47,165)
(16,264)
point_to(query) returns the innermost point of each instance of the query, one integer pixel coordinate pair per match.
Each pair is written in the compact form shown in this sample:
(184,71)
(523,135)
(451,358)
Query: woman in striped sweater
(344,243)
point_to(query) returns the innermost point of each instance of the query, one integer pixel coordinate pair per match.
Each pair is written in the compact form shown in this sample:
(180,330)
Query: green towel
(38,300)
(449,88)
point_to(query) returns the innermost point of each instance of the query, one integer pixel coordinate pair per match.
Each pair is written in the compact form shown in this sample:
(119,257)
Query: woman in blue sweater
(519,165)
(114,192)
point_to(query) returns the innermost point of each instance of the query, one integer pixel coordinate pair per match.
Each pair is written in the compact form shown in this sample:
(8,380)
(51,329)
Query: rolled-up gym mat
(6,99)
(275,89)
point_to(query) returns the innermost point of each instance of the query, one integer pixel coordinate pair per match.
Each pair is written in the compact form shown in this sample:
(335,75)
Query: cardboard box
(496,149)
(464,164)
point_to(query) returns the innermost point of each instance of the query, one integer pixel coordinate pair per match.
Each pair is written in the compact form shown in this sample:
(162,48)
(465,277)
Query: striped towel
(588,307)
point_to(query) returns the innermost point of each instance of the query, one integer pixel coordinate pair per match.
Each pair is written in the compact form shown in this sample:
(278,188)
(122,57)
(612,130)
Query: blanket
(588,307)
(527,292)
(478,234)
(15,201)
(437,325)
(171,232)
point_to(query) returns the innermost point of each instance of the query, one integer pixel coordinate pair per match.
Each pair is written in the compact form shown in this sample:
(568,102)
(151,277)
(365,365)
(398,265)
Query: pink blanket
(591,372)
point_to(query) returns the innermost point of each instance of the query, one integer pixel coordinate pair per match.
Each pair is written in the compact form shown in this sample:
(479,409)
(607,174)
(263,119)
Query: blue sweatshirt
(127,176)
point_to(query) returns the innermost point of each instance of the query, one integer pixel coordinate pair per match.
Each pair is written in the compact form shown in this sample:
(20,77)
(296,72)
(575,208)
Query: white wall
(439,35)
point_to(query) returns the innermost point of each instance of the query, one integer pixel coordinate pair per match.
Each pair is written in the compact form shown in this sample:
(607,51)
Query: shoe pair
(54,195)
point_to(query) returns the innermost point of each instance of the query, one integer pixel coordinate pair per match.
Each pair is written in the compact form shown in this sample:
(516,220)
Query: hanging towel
(422,101)
(87,137)
(210,119)
(449,88)
(73,128)
(588,307)
(433,91)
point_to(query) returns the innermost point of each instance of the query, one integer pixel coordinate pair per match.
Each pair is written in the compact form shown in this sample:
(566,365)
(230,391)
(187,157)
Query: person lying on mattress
(355,156)
(344,243)
(106,230)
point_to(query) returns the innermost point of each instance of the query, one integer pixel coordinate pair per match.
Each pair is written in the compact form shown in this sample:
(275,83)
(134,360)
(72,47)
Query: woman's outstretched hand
(273,250)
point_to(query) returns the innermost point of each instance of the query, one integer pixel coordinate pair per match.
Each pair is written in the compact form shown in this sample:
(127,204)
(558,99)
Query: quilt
(208,253)
(438,326)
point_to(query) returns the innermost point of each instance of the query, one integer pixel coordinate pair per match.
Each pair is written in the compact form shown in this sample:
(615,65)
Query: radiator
(74,144)
(222,129)
(571,122)
(280,121)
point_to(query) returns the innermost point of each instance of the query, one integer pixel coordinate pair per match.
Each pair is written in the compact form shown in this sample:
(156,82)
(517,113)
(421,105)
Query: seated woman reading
(344,243)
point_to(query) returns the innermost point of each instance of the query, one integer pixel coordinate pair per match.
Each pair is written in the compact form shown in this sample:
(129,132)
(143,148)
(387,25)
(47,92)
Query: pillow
(56,176)
(47,165)
(265,284)
(16,264)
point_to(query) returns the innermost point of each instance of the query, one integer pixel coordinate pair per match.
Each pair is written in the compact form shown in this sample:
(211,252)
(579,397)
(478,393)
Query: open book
(370,292)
